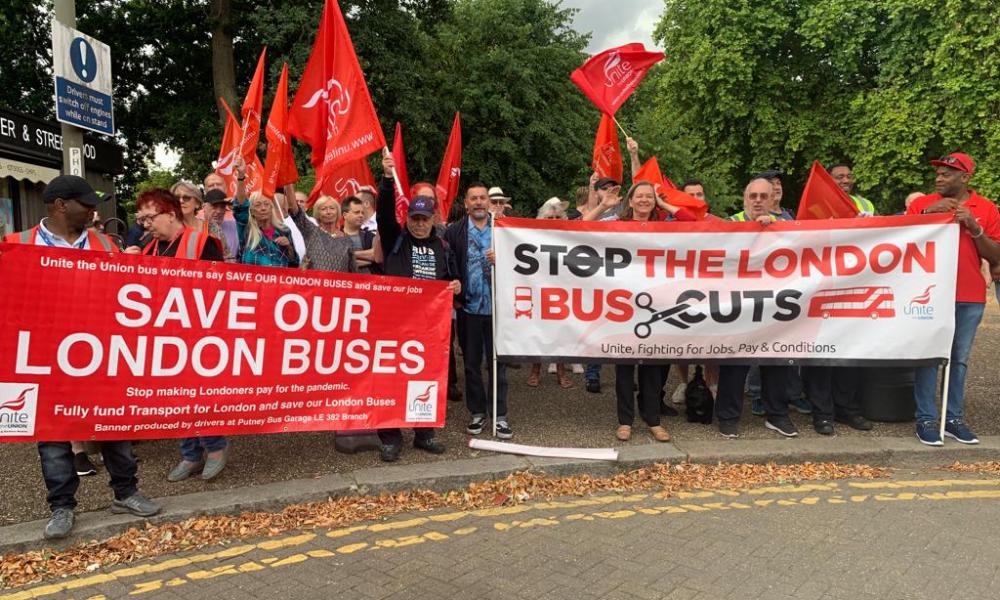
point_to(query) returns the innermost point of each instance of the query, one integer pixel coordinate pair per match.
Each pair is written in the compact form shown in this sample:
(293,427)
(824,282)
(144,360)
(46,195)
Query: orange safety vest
(98,241)
(190,245)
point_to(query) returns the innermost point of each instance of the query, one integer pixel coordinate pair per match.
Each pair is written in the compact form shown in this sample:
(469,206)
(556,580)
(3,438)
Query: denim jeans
(61,479)
(193,449)
(967,318)
(592,373)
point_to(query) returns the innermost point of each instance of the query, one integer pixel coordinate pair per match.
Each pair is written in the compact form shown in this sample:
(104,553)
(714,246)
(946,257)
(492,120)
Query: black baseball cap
(216,197)
(422,205)
(72,187)
(604,182)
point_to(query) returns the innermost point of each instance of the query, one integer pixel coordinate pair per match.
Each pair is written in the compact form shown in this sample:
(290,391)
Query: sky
(616,22)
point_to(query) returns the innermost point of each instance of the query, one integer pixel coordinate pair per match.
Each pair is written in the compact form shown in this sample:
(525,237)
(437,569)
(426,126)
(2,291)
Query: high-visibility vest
(740,216)
(96,239)
(864,205)
(189,246)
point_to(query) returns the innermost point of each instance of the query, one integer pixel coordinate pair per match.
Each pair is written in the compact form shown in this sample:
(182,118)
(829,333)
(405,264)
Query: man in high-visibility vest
(71,202)
(844,176)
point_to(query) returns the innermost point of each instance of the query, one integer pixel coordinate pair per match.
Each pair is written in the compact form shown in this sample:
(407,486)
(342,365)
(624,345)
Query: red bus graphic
(858,302)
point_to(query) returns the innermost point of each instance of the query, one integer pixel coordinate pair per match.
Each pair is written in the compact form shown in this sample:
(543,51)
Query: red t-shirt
(970,286)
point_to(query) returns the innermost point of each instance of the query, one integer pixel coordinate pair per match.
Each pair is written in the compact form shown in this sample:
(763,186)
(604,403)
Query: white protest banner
(860,291)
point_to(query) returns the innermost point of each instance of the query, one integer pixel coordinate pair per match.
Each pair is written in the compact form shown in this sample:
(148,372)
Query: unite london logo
(421,401)
(18,403)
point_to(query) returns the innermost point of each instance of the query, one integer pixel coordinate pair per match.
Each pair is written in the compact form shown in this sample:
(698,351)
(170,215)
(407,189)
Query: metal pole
(72,137)
(944,397)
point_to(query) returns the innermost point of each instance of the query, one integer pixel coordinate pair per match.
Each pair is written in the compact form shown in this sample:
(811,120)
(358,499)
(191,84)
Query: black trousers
(833,391)
(475,335)
(394,437)
(651,380)
(774,391)
(61,479)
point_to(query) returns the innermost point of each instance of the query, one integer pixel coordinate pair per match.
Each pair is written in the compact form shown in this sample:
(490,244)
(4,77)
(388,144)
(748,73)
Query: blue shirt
(478,297)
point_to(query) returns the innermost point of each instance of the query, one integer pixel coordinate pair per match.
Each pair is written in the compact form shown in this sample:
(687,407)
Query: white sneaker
(552,368)
(578,369)
(678,397)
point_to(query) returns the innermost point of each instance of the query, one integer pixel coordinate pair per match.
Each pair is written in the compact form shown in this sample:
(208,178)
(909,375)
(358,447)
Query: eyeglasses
(143,220)
(185,198)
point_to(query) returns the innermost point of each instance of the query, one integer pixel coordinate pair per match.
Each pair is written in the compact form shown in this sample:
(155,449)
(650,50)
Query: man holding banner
(979,239)
(70,201)
(418,253)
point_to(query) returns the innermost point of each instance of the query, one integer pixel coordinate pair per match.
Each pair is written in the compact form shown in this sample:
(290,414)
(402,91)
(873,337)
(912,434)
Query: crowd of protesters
(360,233)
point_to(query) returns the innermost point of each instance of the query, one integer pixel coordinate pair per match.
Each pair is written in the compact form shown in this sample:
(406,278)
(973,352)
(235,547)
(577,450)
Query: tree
(886,85)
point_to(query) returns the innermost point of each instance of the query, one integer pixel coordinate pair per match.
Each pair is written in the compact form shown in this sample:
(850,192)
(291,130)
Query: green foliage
(886,85)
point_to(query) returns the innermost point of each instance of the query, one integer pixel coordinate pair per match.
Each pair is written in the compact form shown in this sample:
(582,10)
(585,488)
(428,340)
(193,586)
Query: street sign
(82,68)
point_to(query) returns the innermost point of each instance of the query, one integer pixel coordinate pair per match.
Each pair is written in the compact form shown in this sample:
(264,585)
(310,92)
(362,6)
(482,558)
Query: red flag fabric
(343,181)
(650,171)
(402,179)
(279,166)
(607,160)
(610,77)
(251,113)
(823,199)
(451,170)
(229,150)
(332,110)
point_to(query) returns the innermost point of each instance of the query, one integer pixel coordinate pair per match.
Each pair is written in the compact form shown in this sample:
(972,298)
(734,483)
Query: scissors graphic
(645,301)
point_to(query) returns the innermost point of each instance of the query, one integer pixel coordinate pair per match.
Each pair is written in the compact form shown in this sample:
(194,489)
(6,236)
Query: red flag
(823,199)
(251,113)
(343,181)
(279,167)
(402,179)
(610,77)
(451,170)
(225,166)
(332,111)
(650,171)
(607,151)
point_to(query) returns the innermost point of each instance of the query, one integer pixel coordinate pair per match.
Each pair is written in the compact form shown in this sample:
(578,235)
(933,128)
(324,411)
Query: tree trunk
(220,19)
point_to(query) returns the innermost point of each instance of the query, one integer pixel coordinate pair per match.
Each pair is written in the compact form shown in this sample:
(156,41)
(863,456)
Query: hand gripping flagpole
(395,177)
(944,397)
(493,316)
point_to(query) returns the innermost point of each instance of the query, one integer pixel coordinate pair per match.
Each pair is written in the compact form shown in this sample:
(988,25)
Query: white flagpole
(493,317)
(395,177)
(944,397)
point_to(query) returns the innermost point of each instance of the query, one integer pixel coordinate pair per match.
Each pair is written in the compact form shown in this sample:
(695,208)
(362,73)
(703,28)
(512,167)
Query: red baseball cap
(957,160)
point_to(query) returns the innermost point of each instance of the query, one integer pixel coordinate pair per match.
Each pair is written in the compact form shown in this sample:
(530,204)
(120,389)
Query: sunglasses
(186,198)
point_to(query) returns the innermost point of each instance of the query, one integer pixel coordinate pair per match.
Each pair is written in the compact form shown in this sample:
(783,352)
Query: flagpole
(493,317)
(395,177)
(615,119)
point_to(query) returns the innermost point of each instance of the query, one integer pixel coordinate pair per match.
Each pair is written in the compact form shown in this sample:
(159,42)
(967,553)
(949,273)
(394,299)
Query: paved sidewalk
(447,475)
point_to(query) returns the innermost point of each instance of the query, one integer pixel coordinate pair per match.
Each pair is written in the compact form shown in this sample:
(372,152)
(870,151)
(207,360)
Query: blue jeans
(61,479)
(967,318)
(193,449)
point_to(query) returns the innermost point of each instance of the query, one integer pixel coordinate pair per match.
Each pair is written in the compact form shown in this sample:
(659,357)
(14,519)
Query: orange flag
(650,171)
(225,166)
(279,167)
(253,106)
(607,151)
(451,170)
(823,199)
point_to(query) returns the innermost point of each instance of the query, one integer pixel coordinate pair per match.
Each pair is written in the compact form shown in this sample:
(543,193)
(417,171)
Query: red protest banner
(135,347)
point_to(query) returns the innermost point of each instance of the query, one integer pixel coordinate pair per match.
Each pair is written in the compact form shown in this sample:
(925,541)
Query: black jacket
(397,244)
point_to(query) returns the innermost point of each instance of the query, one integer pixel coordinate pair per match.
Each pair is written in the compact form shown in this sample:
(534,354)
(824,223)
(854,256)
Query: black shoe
(432,445)
(389,452)
(476,425)
(729,429)
(823,427)
(782,425)
(504,432)
(856,422)
(593,386)
(667,410)
(84,466)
